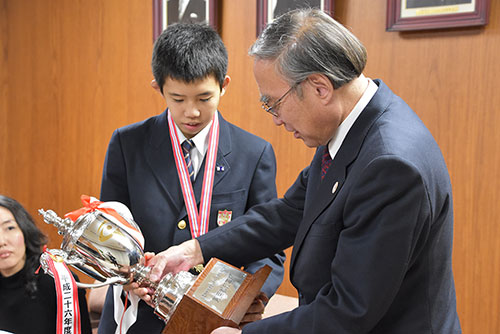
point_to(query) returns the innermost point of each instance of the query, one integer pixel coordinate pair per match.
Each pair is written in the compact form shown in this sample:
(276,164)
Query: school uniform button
(181,225)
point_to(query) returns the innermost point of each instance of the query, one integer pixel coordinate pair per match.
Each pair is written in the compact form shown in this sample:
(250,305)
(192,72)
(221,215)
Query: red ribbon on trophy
(68,310)
(114,210)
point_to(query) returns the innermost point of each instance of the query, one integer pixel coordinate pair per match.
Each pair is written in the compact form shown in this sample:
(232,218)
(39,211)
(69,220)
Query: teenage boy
(163,167)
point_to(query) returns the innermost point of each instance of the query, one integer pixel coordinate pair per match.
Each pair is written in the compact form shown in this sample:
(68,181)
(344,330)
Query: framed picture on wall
(435,14)
(166,12)
(267,10)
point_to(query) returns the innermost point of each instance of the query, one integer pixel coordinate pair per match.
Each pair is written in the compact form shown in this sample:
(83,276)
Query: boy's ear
(155,86)
(225,83)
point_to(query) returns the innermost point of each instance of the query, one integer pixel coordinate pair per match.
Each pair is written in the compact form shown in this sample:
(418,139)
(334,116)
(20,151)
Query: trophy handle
(77,262)
(108,281)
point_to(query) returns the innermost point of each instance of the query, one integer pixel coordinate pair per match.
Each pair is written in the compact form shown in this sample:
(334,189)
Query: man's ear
(225,83)
(323,88)
(155,86)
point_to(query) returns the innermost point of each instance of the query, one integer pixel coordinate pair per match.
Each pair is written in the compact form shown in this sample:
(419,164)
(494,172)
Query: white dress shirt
(339,136)
(200,148)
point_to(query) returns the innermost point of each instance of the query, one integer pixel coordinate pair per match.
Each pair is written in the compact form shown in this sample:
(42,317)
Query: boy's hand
(254,313)
(255,310)
(143,292)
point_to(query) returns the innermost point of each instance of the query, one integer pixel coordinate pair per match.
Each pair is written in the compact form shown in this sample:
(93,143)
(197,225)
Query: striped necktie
(187,145)
(326,161)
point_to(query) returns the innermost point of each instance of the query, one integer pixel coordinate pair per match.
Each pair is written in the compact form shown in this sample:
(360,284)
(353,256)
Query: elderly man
(370,219)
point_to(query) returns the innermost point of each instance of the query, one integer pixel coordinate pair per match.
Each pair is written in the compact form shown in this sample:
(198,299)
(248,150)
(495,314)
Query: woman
(28,300)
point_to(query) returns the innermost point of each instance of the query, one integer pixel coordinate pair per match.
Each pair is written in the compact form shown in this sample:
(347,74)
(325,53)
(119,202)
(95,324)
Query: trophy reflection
(102,241)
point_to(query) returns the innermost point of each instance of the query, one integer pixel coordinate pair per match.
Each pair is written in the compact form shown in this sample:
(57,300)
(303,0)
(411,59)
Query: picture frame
(267,10)
(407,15)
(166,12)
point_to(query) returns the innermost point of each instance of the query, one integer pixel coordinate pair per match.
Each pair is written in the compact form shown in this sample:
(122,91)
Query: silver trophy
(105,251)
(100,246)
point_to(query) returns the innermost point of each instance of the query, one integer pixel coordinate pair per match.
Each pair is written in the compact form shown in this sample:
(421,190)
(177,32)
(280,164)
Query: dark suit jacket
(372,242)
(140,172)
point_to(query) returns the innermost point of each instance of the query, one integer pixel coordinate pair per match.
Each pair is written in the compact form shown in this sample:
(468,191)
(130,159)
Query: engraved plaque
(219,286)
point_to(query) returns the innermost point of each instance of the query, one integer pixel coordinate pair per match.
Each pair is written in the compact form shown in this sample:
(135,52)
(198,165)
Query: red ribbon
(91,207)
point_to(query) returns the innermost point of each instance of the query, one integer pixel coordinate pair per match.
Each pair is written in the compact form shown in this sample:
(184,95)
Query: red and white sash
(68,310)
(198,219)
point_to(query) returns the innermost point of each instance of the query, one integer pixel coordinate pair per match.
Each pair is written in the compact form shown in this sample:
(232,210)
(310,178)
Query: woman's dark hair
(34,239)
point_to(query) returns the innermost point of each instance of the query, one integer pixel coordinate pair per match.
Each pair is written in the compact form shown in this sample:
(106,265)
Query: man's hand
(226,330)
(176,258)
(255,310)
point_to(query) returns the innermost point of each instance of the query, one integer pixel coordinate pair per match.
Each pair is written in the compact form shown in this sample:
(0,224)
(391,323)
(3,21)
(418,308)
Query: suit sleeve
(386,221)
(262,190)
(114,174)
(266,228)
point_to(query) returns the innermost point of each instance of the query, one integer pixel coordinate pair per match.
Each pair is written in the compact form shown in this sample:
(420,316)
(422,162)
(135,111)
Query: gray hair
(308,41)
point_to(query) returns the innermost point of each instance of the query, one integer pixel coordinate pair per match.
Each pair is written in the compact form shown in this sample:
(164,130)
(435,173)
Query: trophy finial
(50,217)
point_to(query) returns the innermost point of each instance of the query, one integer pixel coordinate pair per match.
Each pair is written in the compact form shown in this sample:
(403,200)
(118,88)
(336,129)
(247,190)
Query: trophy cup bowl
(99,246)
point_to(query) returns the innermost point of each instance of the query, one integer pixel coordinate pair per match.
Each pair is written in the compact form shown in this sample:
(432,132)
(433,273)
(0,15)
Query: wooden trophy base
(220,296)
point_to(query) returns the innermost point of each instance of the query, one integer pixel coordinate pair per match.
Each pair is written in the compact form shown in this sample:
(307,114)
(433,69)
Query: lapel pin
(335,186)
(219,168)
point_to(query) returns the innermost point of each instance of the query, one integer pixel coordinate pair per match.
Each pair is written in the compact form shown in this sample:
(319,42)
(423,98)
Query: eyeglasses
(273,109)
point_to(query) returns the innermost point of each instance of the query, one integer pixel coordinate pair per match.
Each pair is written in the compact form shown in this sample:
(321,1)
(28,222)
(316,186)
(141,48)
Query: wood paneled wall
(73,71)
